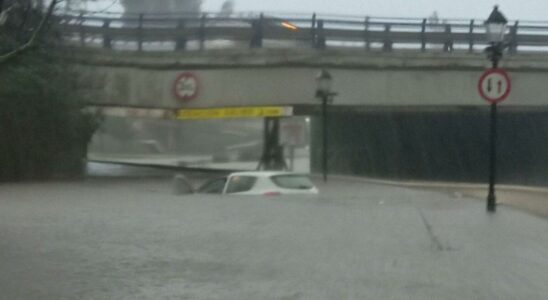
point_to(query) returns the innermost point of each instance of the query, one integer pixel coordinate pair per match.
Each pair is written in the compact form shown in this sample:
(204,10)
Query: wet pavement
(130,238)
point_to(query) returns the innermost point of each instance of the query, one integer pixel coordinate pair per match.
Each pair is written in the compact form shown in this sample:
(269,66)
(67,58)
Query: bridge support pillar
(273,153)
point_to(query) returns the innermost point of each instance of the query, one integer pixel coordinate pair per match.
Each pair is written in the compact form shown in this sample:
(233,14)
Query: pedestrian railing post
(366,35)
(471,37)
(513,45)
(257,37)
(423,35)
(387,43)
(181,37)
(320,36)
(201,33)
(140,32)
(107,40)
(313,31)
(82,29)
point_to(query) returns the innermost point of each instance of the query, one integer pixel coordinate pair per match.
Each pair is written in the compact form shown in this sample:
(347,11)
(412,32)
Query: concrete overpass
(286,77)
(376,62)
(407,105)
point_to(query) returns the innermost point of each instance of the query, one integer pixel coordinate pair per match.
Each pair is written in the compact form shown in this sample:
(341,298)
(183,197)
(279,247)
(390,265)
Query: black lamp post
(495,27)
(323,92)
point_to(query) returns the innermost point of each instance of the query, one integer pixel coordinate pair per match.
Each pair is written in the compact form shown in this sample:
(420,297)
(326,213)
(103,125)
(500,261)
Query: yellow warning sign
(235,112)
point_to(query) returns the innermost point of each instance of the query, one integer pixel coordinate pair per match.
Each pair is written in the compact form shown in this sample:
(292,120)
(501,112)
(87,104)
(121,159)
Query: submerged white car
(260,183)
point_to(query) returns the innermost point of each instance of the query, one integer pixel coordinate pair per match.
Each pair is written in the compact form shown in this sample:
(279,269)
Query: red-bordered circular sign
(186,87)
(494,85)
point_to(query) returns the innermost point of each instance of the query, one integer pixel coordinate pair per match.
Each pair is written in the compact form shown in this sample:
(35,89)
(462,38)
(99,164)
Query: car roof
(265,173)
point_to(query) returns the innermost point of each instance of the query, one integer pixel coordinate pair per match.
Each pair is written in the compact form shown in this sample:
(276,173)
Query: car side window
(294,182)
(215,186)
(239,184)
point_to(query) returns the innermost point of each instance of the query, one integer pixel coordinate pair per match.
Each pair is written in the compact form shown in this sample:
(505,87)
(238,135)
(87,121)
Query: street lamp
(495,27)
(324,83)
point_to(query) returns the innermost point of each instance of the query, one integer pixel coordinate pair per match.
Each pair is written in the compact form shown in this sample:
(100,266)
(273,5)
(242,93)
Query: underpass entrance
(244,138)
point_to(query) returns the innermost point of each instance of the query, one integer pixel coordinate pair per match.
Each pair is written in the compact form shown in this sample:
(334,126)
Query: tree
(35,33)
(43,128)
(227,8)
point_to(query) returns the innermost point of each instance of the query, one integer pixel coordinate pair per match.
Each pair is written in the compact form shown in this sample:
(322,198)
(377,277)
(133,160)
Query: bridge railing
(183,33)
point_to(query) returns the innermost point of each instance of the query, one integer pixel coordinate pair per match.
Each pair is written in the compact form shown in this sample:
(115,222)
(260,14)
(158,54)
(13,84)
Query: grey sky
(524,10)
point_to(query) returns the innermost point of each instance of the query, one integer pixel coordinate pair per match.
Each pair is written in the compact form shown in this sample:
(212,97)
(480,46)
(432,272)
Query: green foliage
(44,131)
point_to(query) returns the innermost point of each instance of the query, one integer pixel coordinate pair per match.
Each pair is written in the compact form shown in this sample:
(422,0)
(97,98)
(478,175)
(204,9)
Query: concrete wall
(282,78)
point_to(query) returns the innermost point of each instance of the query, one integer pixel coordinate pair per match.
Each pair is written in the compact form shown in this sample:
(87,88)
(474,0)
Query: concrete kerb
(533,200)
(439,185)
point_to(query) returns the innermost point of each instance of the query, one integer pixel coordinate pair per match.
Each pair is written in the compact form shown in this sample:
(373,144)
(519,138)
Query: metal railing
(170,32)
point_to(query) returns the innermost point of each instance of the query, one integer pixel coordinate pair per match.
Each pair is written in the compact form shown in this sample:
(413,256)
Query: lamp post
(324,82)
(495,27)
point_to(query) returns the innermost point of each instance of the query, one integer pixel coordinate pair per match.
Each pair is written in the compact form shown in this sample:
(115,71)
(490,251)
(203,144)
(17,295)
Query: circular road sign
(494,85)
(186,86)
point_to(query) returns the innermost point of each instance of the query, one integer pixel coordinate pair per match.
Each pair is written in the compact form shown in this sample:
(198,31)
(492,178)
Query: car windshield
(297,182)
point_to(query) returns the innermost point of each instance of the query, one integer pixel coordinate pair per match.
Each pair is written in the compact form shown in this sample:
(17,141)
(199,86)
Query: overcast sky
(536,10)
(514,9)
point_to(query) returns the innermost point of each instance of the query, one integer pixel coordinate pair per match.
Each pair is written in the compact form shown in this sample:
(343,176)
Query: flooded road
(128,237)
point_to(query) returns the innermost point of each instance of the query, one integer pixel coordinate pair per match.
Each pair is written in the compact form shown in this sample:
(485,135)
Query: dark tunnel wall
(444,146)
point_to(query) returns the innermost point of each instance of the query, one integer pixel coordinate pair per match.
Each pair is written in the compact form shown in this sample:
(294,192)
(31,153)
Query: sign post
(494,86)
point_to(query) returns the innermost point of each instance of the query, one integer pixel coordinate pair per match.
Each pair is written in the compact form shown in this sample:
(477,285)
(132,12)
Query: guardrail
(179,33)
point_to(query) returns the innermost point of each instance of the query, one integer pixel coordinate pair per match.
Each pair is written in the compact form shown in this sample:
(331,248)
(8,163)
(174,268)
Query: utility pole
(324,93)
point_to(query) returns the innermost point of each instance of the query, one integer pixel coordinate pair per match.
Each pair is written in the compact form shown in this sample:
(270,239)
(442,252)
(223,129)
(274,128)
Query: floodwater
(128,237)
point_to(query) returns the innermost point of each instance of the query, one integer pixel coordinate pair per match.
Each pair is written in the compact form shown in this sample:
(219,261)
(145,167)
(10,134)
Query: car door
(238,184)
(215,186)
